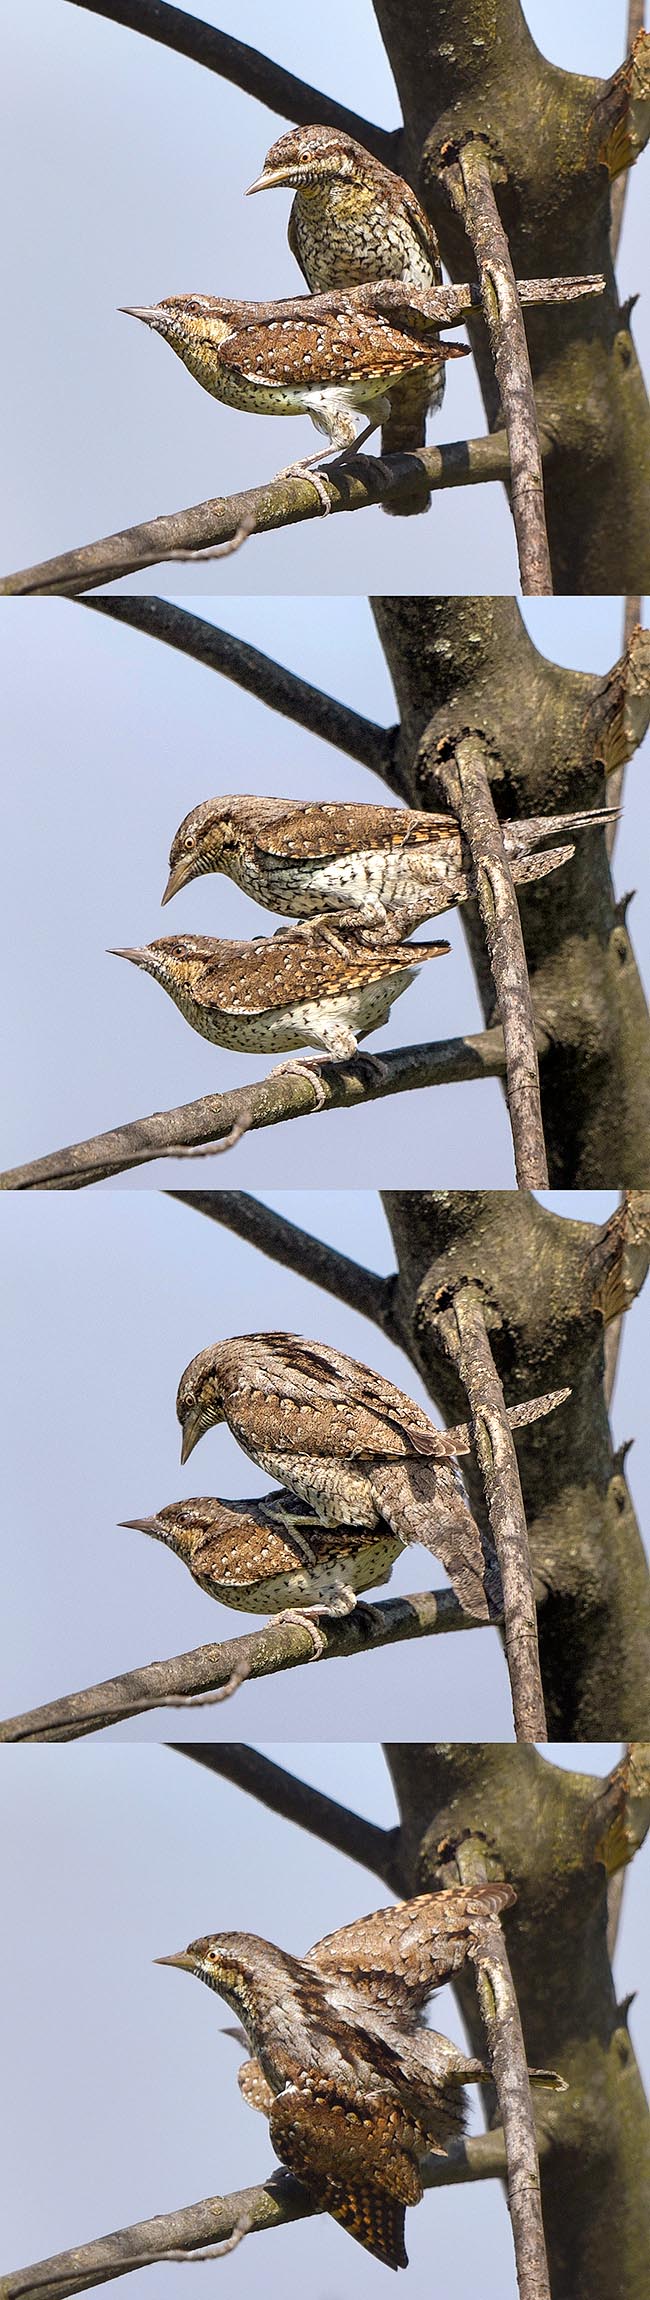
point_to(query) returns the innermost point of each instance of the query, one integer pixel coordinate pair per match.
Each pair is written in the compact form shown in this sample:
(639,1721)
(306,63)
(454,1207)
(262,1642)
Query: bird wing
(396,1957)
(423,228)
(343,2145)
(311,349)
(292,236)
(325,829)
(333,1405)
(295,969)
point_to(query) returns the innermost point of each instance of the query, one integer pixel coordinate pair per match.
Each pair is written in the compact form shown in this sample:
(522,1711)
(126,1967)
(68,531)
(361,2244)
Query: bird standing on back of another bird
(263,1556)
(352,221)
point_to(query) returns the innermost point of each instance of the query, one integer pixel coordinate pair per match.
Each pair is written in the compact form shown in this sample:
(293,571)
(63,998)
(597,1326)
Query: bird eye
(188,842)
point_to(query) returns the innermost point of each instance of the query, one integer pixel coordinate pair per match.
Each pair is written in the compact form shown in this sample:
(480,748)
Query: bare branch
(280,1645)
(296,1249)
(460,1322)
(636,679)
(617,1822)
(258,674)
(466,173)
(245,68)
(461,772)
(500,2011)
(279,2200)
(295,1800)
(446,1062)
(620,121)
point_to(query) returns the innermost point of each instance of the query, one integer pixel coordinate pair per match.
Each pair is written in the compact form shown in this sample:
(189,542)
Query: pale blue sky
(121,2097)
(110,1294)
(110,739)
(123,169)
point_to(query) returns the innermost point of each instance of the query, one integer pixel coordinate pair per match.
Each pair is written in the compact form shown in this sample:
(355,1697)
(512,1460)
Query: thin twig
(461,772)
(296,1249)
(279,1645)
(295,1800)
(467,175)
(282,690)
(498,2003)
(245,68)
(445,1062)
(460,1321)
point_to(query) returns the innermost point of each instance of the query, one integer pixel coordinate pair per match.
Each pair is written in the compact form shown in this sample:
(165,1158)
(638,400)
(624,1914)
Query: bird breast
(343,238)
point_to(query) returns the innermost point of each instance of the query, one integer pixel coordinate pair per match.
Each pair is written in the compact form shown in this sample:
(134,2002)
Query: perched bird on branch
(356,2088)
(332,365)
(347,1442)
(325,987)
(394,866)
(351,221)
(262,1557)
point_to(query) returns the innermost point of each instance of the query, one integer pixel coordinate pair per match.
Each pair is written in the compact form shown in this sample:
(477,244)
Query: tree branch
(279,2200)
(500,2011)
(258,674)
(259,1653)
(620,117)
(295,1800)
(296,1249)
(245,68)
(631,620)
(466,173)
(460,1322)
(461,772)
(446,1062)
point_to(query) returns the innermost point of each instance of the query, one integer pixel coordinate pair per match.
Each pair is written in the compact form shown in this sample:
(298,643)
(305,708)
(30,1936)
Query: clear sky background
(110,739)
(123,170)
(122,2099)
(107,1297)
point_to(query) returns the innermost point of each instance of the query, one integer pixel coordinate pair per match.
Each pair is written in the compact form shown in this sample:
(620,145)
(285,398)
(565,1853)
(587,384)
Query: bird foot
(305,1618)
(303,469)
(297,1070)
(368,1616)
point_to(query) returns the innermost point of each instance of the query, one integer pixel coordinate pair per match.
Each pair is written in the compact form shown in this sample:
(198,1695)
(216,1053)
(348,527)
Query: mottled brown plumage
(304,856)
(351,1444)
(325,987)
(264,1556)
(356,2089)
(353,220)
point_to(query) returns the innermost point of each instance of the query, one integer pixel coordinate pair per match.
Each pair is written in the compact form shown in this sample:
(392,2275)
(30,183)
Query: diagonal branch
(295,1800)
(296,1249)
(276,2201)
(245,68)
(461,773)
(500,2011)
(466,174)
(460,1322)
(272,1101)
(282,690)
(259,1653)
(620,99)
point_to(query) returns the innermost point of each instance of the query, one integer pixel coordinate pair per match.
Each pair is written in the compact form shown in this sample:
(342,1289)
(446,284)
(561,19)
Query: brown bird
(394,866)
(353,221)
(306,359)
(323,988)
(348,1442)
(272,1556)
(357,2090)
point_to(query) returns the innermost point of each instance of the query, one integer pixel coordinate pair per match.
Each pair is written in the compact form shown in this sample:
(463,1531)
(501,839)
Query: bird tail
(374,2218)
(424,1501)
(406,430)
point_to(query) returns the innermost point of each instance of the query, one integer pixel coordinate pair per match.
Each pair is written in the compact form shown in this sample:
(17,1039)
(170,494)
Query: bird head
(242,1968)
(174,959)
(181,1525)
(187,321)
(311,156)
(198,1404)
(202,841)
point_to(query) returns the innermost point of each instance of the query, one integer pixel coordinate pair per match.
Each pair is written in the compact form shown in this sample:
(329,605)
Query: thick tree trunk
(461,663)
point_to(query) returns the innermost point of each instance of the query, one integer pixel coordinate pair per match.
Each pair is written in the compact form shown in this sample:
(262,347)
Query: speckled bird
(273,1555)
(395,866)
(353,220)
(324,988)
(357,2090)
(348,1442)
(332,364)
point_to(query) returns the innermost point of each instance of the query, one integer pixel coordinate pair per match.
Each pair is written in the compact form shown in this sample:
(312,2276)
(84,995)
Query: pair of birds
(357,879)
(357,2090)
(362,1473)
(335,355)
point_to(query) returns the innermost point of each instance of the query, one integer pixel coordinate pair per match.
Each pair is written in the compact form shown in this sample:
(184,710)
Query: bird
(331,358)
(327,988)
(395,866)
(353,220)
(263,1556)
(357,2090)
(347,1442)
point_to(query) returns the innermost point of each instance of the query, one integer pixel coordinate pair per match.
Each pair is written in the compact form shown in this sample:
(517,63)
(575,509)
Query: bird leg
(305,1617)
(303,468)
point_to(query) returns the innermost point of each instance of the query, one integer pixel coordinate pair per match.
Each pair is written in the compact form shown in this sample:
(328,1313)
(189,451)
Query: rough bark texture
(470,67)
(460,663)
(539,1276)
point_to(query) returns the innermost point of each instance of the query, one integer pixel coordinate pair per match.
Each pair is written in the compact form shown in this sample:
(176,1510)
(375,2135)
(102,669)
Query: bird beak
(178,877)
(185,1962)
(140,1524)
(192,1431)
(137,957)
(268,179)
(146,311)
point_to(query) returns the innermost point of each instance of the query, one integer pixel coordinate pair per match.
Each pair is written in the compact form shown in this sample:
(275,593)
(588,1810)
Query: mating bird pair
(332,355)
(363,1472)
(357,879)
